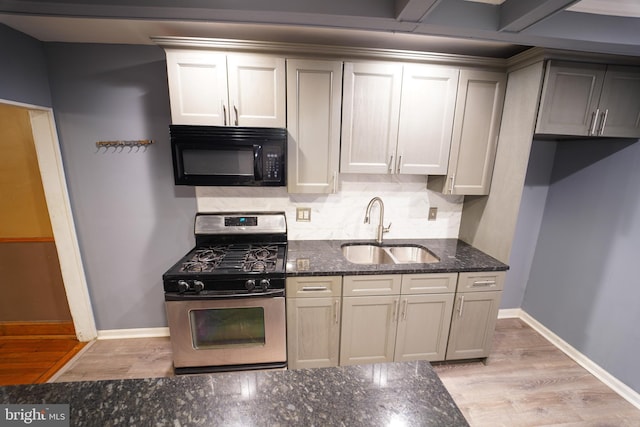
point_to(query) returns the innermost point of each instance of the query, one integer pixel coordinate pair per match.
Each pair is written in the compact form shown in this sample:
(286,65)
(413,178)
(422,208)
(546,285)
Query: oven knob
(183,286)
(198,286)
(250,284)
(264,284)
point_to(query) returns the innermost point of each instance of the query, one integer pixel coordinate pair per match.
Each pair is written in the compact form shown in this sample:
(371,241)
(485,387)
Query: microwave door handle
(257,162)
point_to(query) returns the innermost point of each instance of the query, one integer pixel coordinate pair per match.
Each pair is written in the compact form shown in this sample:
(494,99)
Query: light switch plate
(433,214)
(303,214)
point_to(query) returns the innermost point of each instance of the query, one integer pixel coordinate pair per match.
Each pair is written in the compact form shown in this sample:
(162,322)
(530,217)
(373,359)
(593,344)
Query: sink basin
(412,254)
(387,254)
(366,254)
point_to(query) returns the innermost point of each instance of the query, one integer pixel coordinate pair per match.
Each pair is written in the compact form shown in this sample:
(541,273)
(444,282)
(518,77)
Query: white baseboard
(111,334)
(597,371)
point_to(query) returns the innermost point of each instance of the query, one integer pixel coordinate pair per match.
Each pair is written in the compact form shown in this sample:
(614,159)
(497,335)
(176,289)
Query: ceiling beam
(413,10)
(516,15)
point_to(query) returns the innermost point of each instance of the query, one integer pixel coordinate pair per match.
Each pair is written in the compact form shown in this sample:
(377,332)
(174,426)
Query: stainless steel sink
(366,254)
(387,254)
(412,254)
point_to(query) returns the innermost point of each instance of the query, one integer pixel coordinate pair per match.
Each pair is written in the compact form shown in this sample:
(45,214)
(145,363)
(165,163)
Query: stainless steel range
(225,299)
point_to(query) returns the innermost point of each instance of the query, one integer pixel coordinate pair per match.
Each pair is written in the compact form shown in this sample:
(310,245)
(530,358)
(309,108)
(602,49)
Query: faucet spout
(381,228)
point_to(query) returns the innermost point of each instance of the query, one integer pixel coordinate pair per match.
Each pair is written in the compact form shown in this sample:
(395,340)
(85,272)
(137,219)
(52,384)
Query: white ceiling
(497,28)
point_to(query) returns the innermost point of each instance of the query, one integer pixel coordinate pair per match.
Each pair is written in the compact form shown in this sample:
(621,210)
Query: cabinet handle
(391,164)
(481,283)
(399,164)
(453,183)
(594,121)
(224,114)
(235,110)
(335,182)
(460,305)
(604,122)
(404,309)
(395,310)
(336,310)
(314,288)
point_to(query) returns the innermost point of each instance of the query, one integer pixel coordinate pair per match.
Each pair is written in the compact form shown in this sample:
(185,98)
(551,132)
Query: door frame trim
(47,147)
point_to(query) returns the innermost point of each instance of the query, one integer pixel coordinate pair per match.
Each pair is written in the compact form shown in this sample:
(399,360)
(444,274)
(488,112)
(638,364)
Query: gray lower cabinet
(353,320)
(475,314)
(389,318)
(313,321)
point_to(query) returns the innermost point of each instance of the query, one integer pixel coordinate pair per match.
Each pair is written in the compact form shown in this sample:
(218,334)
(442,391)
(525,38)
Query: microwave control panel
(273,165)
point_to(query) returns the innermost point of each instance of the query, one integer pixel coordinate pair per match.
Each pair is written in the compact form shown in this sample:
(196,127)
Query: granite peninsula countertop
(405,393)
(324,258)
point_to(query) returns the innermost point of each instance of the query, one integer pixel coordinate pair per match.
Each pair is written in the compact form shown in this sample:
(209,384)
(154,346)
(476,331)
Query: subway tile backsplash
(341,215)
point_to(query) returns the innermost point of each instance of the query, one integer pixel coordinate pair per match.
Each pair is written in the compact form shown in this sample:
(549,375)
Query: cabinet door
(314,95)
(313,332)
(256,91)
(570,96)
(620,103)
(368,329)
(426,119)
(472,324)
(370,111)
(475,132)
(423,327)
(197,87)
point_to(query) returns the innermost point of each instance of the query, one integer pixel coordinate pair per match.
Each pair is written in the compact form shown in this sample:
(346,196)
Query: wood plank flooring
(529,382)
(32,352)
(525,382)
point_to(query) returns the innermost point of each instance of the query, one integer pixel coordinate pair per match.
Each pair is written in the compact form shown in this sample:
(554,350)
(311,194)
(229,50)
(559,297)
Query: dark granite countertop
(406,393)
(324,257)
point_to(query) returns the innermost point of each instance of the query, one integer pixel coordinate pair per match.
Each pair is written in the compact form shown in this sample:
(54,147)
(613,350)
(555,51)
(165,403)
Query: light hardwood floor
(525,382)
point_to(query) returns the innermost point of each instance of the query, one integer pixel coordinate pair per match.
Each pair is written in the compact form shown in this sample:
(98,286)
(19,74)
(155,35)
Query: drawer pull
(482,283)
(314,288)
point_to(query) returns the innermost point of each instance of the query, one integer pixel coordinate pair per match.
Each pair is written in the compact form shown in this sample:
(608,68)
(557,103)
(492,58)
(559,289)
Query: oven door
(227,334)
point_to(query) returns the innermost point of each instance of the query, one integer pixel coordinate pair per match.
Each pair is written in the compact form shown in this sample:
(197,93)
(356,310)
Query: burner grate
(204,259)
(261,258)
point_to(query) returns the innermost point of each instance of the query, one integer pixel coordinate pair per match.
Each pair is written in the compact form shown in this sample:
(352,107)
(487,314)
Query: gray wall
(23,73)
(132,222)
(583,283)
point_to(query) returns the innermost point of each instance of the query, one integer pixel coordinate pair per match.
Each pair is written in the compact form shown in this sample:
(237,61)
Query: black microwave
(229,155)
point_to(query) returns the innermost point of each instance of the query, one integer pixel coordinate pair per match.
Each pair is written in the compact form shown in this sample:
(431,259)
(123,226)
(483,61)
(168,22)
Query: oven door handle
(271,293)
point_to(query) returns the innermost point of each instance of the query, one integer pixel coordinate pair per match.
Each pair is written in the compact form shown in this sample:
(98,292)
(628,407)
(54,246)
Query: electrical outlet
(433,214)
(303,214)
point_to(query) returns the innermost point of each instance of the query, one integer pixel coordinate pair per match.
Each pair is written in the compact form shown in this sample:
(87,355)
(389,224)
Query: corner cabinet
(396,317)
(582,99)
(476,126)
(213,88)
(313,321)
(475,314)
(397,118)
(314,99)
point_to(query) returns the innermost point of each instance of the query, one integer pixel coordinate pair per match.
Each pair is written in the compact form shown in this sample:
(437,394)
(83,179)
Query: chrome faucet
(381,227)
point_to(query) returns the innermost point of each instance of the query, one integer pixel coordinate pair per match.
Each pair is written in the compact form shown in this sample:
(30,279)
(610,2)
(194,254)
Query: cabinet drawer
(481,281)
(429,283)
(386,284)
(314,286)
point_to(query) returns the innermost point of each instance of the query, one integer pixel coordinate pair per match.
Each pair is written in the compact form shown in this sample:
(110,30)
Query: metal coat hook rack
(121,144)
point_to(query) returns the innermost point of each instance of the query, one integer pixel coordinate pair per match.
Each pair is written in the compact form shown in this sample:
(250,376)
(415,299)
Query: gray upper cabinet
(581,99)
(476,126)
(397,118)
(213,88)
(314,98)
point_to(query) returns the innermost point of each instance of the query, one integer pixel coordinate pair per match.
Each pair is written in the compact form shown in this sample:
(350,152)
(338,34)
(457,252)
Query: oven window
(227,327)
(218,162)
